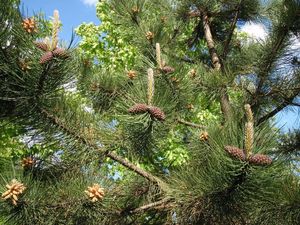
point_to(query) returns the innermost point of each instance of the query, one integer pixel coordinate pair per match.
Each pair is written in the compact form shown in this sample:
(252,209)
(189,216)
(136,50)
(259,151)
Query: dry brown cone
(14,190)
(131,74)
(157,113)
(168,69)
(95,193)
(27,162)
(60,53)
(235,152)
(149,35)
(29,25)
(203,136)
(260,159)
(46,57)
(138,108)
(41,45)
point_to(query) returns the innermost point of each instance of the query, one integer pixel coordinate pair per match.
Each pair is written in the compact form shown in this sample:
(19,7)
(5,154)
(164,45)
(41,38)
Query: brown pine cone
(138,108)
(235,152)
(260,159)
(60,53)
(41,45)
(46,57)
(168,69)
(157,113)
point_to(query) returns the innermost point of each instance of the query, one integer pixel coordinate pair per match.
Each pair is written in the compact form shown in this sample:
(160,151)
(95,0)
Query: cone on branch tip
(135,10)
(95,193)
(13,192)
(193,73)
(235,152)
(46,57)
(138,108)
(260,159)
(27,162)
(131,74)
(29,25)
(203,136)
(155,112)
(149,35)
(168,69)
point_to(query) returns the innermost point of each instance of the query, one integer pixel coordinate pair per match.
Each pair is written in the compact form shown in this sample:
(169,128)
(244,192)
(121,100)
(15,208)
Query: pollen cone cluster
(152,110)
(14,190)
(29,25)
(204,136)
(131,74)
(95,193)
(27,162)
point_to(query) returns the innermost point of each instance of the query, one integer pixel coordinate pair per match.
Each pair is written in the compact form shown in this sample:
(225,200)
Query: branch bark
(190,124)
(224,98)
(231,30)
(162,204)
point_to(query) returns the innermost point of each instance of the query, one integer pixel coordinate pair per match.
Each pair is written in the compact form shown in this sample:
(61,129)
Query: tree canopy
(162,114)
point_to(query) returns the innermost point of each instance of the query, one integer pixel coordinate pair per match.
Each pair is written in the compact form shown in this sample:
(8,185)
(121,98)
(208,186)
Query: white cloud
(89,2)
(255,31)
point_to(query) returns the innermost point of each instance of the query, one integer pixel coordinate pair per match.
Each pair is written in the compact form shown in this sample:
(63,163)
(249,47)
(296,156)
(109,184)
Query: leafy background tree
(170,122)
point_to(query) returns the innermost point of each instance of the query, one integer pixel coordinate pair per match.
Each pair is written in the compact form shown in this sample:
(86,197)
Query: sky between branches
(75,12)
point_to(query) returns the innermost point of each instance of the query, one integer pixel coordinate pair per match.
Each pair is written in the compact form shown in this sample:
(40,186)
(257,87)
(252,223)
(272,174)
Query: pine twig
(224,99)
(284,104)
(190,124)
(231,30)
(161,204)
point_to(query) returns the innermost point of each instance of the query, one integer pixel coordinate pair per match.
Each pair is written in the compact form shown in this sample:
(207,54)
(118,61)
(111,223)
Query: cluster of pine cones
(152,110)
(256,159)
(14,190)
(48,54)
(95,193)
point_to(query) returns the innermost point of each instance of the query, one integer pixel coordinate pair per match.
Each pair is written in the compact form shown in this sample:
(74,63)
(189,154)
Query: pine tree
(166,60)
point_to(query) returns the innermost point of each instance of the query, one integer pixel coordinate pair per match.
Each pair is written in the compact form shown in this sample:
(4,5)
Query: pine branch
(190,124)
(224,101)
(210,42)
(161,204)
(284,104)
(231,30)
(133,167)
(56,121)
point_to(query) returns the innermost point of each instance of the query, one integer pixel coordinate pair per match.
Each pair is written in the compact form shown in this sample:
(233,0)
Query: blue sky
(72,12)
(75,12)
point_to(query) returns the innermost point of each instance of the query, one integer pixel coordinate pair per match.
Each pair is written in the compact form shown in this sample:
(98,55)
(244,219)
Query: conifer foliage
(130,147)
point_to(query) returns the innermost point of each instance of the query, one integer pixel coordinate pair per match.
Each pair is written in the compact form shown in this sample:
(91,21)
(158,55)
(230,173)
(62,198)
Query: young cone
(14,190)
(235,152)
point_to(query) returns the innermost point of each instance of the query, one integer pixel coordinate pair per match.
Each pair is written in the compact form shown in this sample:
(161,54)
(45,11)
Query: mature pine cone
(46,57)
(260,159)
(60,52)
(168,69)
(138,108)
(41,45)
(157,113)
(235,152)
